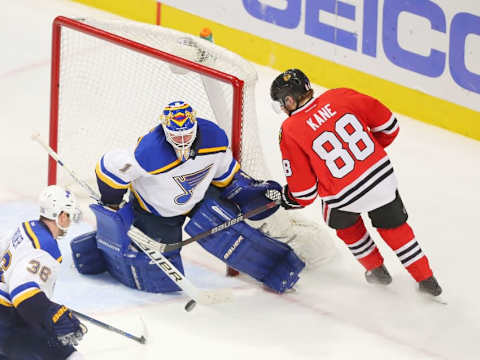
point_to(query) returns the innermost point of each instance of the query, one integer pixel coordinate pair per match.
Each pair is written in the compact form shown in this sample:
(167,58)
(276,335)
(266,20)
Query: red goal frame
(61,21)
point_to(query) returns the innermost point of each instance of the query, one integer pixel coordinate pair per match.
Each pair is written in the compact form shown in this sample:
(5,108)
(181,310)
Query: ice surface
(334,314)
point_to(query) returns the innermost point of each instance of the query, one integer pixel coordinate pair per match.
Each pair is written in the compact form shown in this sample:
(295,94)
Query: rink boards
(420,58)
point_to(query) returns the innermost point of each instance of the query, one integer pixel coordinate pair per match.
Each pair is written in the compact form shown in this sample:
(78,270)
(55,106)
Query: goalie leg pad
(112,227)
(246,249)
(123,261)
(145,275)
(88,259)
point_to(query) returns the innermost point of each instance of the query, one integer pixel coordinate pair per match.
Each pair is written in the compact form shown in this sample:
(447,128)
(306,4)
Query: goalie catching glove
(284,195)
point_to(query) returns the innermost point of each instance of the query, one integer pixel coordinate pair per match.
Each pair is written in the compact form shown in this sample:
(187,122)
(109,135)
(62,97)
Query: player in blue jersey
(183,168)
(31,325)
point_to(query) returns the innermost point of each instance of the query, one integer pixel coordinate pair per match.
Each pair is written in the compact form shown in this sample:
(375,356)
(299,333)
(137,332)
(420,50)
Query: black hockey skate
(379,275)
(430,286)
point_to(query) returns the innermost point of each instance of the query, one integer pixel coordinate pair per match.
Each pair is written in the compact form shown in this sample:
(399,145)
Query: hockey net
(112,78)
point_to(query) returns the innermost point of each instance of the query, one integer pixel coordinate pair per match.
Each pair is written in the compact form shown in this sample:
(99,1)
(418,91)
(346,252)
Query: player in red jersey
(333,146)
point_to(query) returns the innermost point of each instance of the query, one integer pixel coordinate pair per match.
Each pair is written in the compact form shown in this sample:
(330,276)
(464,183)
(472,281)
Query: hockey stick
(54,155)
(141,339)
(203,297)
(174,246)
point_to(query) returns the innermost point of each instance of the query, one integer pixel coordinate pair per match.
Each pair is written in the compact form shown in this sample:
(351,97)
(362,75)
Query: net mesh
(109,95)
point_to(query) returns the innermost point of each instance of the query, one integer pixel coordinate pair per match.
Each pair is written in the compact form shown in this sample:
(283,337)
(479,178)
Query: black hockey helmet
(292,82)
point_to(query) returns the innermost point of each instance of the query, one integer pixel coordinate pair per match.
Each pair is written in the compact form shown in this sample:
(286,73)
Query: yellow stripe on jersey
(211,150)
(5,303)
(24,296)
(141,137)
(227,180)
(32,235)
(107,180)
(165,168)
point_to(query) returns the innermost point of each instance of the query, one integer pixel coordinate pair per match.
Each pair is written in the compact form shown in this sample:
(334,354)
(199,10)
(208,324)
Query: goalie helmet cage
(110,79)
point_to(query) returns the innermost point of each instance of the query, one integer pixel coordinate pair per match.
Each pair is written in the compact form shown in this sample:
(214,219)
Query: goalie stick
(54,155)
(141,339)
(205,297)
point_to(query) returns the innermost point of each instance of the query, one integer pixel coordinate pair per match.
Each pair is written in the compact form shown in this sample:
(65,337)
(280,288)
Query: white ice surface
(334,314)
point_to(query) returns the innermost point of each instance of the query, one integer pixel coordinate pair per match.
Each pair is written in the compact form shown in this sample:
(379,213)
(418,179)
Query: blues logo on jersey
(188,183)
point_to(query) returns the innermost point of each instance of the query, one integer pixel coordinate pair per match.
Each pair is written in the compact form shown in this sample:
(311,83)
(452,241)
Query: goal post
(110,79)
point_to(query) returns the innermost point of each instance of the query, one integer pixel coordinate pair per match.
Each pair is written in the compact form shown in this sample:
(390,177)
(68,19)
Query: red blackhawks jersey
(333,146)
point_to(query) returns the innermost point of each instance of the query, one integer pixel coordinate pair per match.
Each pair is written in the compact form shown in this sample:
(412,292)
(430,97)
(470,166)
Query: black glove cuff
(288,201)
(33,309)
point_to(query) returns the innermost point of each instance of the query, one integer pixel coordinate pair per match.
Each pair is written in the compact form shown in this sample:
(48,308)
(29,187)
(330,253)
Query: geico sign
(433,65)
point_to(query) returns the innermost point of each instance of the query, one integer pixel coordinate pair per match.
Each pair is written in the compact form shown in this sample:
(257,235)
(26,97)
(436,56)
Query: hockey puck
(190,305)
(143,340)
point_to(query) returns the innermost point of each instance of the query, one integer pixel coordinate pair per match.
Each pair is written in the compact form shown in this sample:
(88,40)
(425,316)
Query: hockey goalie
(181,173)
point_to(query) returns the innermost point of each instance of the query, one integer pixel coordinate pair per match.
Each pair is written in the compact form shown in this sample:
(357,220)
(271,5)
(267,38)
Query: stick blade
(144,337)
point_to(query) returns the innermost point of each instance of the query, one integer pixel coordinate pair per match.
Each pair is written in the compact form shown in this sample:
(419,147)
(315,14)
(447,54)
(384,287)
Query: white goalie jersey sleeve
(118,168)
(227,168)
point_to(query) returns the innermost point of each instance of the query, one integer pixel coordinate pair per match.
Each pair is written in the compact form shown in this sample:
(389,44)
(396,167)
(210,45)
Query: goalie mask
(180,126)
(54,200)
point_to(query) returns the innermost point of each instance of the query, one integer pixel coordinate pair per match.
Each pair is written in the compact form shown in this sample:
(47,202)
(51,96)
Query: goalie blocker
(241,246)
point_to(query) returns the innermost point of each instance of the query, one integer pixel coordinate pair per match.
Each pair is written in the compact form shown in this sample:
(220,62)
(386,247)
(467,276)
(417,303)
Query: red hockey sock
(358,240)
(402,240)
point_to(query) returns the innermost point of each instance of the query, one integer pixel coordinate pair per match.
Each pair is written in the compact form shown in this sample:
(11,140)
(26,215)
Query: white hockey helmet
(54,199)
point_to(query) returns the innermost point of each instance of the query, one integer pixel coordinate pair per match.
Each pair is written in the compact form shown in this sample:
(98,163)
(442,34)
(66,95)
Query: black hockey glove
(286,199)
(62,324)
